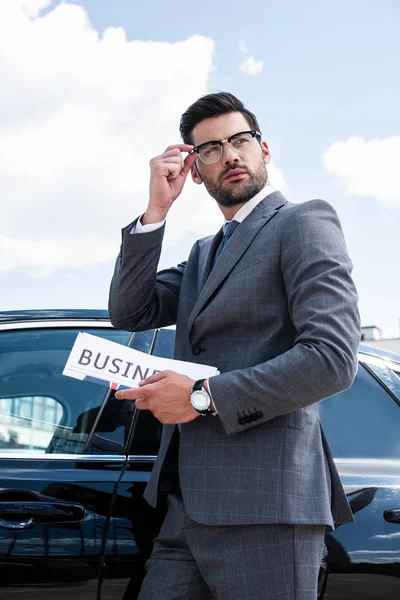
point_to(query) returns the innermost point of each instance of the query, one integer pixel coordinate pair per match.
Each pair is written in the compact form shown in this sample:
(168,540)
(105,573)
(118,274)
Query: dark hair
(213,105)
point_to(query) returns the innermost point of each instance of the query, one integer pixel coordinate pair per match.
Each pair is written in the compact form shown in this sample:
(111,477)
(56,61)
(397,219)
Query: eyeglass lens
(210,153)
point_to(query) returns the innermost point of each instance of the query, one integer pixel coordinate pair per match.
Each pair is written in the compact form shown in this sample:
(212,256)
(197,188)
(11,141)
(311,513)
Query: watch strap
(198,385)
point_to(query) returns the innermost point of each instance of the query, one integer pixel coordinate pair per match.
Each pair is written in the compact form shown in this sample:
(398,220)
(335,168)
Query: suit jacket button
(242,421)
(196,349)
(259,414)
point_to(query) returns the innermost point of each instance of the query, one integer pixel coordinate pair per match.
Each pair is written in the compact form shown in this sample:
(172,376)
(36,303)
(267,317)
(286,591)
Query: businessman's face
(240,172)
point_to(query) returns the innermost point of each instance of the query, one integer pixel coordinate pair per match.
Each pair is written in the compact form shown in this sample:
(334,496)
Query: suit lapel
(212,277)
(206,258)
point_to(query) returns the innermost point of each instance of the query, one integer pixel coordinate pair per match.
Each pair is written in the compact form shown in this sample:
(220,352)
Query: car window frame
(373,364)
(144,457)
(383,370)
(86,324)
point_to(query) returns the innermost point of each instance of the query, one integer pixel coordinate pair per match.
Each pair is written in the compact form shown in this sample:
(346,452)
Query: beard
(234,193)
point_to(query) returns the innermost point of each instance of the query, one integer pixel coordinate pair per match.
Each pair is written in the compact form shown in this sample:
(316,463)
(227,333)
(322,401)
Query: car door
(362,426)
(133,524)
(63,446)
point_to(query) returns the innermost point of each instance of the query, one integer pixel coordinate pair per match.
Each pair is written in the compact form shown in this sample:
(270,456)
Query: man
(272,305)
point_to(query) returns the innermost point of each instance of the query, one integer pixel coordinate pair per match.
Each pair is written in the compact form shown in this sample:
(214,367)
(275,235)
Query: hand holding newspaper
(100,361)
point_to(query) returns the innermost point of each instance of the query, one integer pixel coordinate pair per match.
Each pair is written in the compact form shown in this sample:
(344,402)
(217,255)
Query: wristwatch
(200,399)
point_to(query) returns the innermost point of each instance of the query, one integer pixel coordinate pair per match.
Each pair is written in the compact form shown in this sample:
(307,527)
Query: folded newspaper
(106,363)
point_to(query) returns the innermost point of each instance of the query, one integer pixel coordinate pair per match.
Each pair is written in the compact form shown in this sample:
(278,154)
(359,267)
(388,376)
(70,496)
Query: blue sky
(94,89)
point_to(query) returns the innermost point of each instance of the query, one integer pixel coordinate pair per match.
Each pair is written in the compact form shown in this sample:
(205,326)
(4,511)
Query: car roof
(15,316)
(379,352)
(88,314)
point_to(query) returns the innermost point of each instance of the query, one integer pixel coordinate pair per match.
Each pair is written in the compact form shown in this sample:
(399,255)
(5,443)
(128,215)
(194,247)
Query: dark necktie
(229,228)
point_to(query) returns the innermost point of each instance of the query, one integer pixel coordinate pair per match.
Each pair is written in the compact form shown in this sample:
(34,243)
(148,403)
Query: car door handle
(392,516)
(23,514)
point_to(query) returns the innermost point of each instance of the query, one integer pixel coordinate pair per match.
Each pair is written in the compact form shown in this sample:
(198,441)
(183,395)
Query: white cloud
(43,255)
(251,66)
(367,168)
(276,178)
(80,117)
(389,536)
(33,7)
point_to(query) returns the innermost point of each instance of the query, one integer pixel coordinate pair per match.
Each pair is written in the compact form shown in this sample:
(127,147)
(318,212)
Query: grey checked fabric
(192,561)
(229,228)
(277,315)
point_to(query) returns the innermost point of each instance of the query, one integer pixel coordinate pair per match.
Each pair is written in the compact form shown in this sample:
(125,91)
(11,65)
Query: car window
(164,343)
(385,370)
(147,434)
(362,422)
(28,422)
(40,409)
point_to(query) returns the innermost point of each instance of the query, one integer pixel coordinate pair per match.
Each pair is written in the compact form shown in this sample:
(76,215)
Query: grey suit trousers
(192,561)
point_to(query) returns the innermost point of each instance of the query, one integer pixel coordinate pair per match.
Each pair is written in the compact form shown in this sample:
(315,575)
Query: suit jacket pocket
(298,419)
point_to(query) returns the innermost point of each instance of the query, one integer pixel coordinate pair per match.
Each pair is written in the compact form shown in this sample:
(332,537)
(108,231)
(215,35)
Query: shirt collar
(246,209)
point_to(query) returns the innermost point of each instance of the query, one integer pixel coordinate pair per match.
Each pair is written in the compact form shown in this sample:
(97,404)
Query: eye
(209,150)
(240,141)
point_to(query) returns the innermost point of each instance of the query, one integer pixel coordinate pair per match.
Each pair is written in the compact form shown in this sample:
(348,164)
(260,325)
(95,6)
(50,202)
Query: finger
(174,173)
(170,170)
(173,152)
(181,147)
(153,378)
(188,163)
(169,167)
(158,161)
(173,160)
(131,394)
(125,395)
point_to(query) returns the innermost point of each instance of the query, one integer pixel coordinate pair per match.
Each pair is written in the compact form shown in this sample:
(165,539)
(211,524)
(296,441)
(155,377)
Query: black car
(74,462)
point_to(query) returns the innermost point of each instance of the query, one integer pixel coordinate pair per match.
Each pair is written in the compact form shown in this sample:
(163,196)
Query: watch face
(200,400)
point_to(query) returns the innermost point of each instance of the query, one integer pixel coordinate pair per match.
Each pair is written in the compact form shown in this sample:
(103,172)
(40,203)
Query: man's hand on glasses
(168,174)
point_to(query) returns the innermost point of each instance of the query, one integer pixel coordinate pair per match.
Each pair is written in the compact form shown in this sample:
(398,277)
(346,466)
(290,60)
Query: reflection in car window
(164,346)
(383,369)
(28,422)
(42,410)
(362,422)
(395,381)
(142,340)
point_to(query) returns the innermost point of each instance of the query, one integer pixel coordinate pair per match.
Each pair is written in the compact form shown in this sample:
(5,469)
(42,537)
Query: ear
(195,174)
(266,152)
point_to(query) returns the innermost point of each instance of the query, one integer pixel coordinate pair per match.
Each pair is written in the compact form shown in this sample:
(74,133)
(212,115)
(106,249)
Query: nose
(229,153)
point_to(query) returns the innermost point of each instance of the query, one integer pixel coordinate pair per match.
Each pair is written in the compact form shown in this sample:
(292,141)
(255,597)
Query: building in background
(371,334)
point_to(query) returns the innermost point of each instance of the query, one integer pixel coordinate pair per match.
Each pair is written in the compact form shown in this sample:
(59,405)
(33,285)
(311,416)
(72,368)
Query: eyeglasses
(211,152)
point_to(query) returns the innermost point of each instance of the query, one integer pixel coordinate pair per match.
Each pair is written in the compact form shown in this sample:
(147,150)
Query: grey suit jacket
(277,315)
